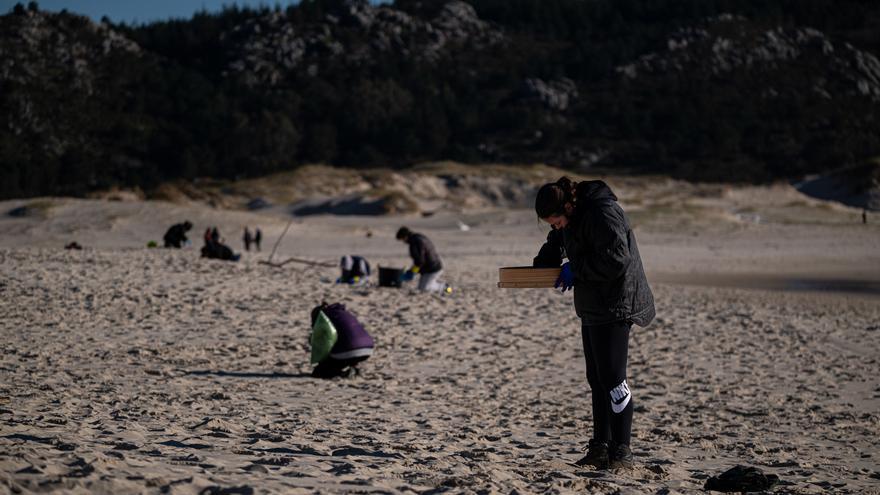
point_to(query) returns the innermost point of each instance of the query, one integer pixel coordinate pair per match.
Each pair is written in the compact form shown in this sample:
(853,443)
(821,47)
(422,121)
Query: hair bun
(568,187)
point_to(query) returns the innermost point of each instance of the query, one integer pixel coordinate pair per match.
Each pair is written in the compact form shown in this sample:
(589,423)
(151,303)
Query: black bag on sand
(741,479)
(390,277)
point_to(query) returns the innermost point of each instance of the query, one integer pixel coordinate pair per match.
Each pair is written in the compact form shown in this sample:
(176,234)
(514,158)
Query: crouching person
(350,346)
(426,261)
(355,270)
(175,236)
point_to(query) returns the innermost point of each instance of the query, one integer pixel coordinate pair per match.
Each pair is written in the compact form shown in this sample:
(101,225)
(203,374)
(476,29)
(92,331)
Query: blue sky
(143,10)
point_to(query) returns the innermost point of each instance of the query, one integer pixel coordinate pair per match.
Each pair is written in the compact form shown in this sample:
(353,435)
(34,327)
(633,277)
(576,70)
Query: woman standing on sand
(611,293)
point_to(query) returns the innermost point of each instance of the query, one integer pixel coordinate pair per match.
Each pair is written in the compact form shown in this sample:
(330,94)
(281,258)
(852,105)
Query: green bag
(323,338)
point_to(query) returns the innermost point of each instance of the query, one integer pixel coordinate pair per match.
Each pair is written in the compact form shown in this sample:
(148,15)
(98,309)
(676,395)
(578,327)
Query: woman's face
(557,221)
(560,221)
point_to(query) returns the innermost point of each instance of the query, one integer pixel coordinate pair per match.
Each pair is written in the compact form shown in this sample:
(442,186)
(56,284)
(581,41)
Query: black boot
(621,457)
(597,455)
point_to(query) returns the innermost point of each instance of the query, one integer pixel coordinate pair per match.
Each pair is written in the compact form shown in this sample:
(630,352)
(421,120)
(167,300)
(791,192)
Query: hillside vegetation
(714,90)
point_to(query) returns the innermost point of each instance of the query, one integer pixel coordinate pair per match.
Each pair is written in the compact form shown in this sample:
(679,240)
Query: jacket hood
(591,191)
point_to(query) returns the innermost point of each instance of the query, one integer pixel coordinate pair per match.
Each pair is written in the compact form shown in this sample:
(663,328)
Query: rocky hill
(750,93)
(54,74)
(800,60)
(267,49)
(767,101)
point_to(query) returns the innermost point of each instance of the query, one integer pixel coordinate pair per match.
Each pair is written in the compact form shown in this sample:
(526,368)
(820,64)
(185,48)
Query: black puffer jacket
(175,236)
(610,283)
(423,254)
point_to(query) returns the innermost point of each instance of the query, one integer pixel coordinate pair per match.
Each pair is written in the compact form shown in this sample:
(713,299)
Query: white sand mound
(857,186)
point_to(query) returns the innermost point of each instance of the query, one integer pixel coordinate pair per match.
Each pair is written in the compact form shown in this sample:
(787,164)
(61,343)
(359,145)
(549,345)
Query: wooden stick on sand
(328,264)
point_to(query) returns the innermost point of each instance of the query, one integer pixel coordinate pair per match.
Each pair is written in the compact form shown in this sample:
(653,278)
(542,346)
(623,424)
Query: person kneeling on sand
(176,235)
(426,261)
(214,249)
(355,270)
(610,294)
(353,344)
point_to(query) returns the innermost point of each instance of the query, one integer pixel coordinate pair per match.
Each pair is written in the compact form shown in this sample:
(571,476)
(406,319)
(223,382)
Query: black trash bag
(741,479)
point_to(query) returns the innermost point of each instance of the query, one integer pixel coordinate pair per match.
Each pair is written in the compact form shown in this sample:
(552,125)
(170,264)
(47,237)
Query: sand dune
(130,370)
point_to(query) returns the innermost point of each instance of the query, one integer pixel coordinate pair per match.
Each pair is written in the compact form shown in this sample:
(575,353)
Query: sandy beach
(132,370)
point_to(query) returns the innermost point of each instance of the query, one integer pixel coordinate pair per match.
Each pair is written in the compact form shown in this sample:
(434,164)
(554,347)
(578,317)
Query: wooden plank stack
(523,277)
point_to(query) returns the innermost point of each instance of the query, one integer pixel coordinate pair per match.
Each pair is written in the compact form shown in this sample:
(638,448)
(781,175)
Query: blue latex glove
(565,280)
(407,276)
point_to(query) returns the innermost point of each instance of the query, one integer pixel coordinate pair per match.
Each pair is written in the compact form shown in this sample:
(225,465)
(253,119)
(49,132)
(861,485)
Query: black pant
(605,350)
(330,367)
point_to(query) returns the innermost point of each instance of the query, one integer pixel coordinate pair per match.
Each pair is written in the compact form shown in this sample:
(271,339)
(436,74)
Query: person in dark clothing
(426,261)
(611,293)
(214,249)
(258,238)
(355,270)
(353,344)
(247,239)
(219,251)
(176,235)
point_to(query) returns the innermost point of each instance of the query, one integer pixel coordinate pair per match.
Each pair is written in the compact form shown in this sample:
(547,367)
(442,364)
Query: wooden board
(526,277)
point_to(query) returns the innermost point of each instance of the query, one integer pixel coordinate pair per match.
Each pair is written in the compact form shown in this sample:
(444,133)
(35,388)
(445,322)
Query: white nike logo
(620,396)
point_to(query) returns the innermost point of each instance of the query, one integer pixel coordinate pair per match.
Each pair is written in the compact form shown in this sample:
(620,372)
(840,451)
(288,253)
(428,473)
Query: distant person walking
(864,216)
(611,293)
(426,261)
(258,237)
(175,237)
(247,239)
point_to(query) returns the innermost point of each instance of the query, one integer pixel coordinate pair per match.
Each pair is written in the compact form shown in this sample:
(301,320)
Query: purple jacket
(352,340)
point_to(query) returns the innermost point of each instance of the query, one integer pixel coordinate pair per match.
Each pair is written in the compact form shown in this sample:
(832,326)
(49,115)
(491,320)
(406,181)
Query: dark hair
(553,196)
(403,233)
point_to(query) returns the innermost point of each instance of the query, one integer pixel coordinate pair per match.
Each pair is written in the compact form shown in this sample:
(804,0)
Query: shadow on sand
(779,283)
(351,204)
(247,374)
